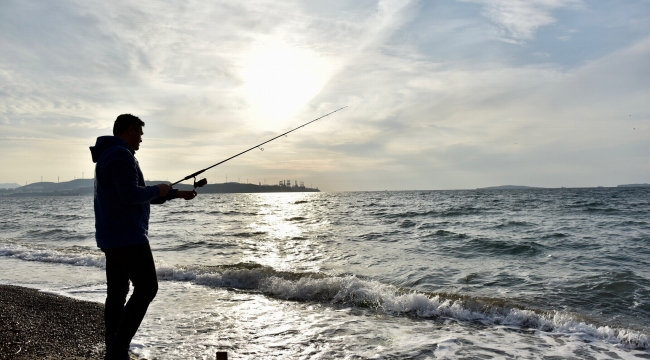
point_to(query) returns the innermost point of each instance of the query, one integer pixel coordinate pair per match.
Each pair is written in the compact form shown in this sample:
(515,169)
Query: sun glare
(279,80)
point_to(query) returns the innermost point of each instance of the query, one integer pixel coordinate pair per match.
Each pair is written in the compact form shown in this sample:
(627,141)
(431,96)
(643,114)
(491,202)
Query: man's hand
(187,195)
(164,189)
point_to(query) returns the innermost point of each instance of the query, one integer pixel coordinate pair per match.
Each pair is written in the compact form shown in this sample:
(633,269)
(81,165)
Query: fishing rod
(202,182)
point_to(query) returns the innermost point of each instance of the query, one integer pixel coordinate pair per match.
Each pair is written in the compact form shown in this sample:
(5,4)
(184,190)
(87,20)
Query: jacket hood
(105,142)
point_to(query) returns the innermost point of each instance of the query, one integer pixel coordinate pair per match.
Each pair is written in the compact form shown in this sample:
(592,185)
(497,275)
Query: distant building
(287,183)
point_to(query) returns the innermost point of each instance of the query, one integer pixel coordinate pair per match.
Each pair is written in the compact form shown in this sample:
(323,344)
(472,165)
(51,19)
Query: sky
(439,94)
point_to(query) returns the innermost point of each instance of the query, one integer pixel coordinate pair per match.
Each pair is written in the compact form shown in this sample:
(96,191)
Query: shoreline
(47,326)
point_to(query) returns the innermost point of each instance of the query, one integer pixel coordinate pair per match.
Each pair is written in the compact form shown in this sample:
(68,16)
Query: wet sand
(35,325)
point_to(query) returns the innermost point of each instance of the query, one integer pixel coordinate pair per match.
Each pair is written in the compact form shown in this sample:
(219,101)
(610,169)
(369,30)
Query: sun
(280,80)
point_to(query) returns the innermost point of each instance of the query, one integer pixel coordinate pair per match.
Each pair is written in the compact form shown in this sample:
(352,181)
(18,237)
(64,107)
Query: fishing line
(202,182)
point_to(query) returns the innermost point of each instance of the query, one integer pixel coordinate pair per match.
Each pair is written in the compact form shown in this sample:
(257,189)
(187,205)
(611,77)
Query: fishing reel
(200,183)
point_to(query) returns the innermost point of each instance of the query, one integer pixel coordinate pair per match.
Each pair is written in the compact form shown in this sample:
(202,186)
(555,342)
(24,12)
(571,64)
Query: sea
(468,274)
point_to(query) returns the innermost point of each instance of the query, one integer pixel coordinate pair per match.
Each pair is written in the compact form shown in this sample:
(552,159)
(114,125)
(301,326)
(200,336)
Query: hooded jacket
(121,197)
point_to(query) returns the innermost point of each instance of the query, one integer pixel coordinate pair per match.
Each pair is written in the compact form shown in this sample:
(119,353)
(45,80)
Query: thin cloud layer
(519,20)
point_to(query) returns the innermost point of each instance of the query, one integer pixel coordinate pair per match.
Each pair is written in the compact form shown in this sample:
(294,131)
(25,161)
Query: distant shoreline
(85,187)
(508,187)
(521,187)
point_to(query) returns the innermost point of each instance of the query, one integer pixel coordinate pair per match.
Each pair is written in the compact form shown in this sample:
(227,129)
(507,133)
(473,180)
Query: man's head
(129,128)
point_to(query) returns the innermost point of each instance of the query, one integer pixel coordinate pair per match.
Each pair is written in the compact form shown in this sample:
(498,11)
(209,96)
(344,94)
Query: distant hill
(9,186)
(635,185)
(52,186)
(74,187)
(508,187)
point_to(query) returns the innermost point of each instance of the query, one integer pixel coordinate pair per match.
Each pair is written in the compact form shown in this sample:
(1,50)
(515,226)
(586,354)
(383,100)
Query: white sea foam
(76,258)
(347,291)
(352,291)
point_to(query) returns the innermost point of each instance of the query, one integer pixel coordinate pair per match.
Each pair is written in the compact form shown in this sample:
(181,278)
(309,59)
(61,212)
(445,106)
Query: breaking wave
(71,256)
(349,290)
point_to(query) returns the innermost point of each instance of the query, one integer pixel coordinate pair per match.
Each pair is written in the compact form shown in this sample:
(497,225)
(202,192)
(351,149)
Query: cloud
(519,20)
(20,138)
(423,119)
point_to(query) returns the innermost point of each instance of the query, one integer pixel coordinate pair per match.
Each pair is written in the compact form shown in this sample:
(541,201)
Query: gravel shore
(35,325)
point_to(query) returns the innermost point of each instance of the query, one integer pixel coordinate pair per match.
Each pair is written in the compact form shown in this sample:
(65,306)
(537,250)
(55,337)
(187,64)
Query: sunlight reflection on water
(281,220)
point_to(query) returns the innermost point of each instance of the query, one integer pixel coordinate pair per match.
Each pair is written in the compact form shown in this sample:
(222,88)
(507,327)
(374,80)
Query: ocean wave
(632,223)
(184,246)
(448,212)
(231,212)
(350,290)
(555,235)
(247,213)
(392,300)
(512,223)
(46,232)
(502,247)
(296,218)
(382,237)
(584,203)
(178,212)
(372,204)
(410,214)
(70,217)
(445,233)
(249,234)
(57,234)
(601,210)
(407,224)
(71,256)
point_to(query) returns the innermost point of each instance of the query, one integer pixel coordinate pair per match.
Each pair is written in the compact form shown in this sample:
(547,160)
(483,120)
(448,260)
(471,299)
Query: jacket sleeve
(161,199)
(125,178)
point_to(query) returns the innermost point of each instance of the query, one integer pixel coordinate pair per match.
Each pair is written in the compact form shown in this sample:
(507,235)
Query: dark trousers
(134,263)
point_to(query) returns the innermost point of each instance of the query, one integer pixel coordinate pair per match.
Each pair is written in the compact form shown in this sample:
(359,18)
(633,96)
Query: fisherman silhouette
(121,230)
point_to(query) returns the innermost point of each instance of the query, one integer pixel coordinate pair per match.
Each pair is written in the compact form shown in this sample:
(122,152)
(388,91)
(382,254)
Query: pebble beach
(37,325)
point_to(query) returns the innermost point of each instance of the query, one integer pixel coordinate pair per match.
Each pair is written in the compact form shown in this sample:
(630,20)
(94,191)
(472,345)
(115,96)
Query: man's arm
(125,178)
(171,194)
(187,195)
(175,194)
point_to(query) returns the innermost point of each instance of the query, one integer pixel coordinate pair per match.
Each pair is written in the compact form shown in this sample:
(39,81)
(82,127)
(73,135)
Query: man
(121,227)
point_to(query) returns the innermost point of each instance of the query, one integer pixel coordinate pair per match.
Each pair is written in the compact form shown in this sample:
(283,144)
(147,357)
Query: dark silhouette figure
(121,227)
